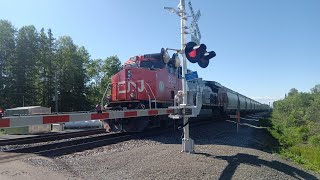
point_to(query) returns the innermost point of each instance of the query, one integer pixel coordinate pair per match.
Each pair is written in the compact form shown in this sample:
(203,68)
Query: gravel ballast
(220,153)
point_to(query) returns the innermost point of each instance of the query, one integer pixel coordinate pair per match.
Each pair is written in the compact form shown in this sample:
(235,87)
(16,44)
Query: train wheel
(113,125)
(135,124)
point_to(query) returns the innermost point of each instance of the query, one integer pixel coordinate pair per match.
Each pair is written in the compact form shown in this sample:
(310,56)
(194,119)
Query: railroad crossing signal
(198,54)
(195,52)
(195,34)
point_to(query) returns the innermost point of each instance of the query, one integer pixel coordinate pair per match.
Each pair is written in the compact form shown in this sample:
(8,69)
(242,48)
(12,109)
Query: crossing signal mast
(195,53)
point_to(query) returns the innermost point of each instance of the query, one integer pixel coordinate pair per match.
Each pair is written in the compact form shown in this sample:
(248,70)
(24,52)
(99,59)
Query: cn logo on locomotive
(130,85)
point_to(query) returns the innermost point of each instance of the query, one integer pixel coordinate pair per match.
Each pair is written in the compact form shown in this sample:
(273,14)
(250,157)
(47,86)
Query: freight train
(152,81)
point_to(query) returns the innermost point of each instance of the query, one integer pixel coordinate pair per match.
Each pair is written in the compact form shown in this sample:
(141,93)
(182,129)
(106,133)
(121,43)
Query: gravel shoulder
(220,153)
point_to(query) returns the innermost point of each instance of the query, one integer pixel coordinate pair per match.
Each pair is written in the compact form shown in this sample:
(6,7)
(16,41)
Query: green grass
(306,155)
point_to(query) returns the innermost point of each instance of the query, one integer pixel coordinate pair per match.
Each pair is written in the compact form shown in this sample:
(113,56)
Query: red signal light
(198,53)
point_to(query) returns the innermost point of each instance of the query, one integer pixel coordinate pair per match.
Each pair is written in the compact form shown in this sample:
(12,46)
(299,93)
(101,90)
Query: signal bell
(198,54)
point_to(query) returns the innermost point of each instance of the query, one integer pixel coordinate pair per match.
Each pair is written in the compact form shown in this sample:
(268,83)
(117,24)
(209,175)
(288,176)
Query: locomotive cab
(146,81)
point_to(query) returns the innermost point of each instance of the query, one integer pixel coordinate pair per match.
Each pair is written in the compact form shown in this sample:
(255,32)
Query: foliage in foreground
(295,123)
(307,155)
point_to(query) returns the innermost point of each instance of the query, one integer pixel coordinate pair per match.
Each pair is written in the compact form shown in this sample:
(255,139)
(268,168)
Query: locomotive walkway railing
(148,97)
(104,94)
(155,99)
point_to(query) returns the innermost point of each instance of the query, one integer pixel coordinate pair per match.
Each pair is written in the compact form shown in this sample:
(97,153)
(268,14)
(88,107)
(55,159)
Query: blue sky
(264,48)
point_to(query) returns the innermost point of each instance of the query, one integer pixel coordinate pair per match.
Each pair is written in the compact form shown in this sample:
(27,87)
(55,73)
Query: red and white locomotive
(146,81)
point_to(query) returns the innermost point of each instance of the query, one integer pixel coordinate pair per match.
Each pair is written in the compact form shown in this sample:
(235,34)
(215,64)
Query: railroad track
(51,137)
(72,146)
(66,147)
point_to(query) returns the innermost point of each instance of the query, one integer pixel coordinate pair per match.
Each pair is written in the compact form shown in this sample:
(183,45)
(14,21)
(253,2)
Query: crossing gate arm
(21,121)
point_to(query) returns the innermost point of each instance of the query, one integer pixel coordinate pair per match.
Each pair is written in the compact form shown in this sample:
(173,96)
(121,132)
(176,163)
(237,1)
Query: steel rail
(67,147)
(50,137)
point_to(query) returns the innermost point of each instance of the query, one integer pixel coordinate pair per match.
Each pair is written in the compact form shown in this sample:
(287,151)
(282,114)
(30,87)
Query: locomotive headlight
(129,74)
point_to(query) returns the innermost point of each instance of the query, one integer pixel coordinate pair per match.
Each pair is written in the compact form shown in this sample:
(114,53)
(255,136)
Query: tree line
(38,69)
(296,125)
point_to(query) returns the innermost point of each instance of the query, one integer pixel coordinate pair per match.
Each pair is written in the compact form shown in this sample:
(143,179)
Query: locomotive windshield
(155,64)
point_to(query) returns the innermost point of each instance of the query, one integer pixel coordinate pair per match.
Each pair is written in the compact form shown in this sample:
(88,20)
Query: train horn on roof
(163,56)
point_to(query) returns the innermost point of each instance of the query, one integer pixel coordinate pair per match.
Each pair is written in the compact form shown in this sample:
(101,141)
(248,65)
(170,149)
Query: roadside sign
(192,75)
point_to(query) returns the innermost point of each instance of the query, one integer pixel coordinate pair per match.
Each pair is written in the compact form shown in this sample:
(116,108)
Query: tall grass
(307,155)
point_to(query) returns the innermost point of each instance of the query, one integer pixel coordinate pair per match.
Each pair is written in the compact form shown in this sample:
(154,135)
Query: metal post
(238,119)
(56,92)
(238,114)
(187,142)
(269,107)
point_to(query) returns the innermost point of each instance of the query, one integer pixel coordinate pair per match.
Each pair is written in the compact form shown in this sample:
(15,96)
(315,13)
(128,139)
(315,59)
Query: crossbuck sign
(195,31)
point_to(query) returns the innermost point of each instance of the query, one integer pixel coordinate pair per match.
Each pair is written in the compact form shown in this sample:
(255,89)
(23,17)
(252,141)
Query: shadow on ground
(248,135)
(240,158)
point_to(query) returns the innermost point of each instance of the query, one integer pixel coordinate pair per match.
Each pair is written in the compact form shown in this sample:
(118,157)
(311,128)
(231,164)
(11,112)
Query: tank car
(233,101)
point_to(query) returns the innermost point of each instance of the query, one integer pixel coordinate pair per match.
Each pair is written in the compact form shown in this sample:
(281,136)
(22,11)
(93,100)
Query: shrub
(315,140)
(290,137)
(295,123)
(265,122)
